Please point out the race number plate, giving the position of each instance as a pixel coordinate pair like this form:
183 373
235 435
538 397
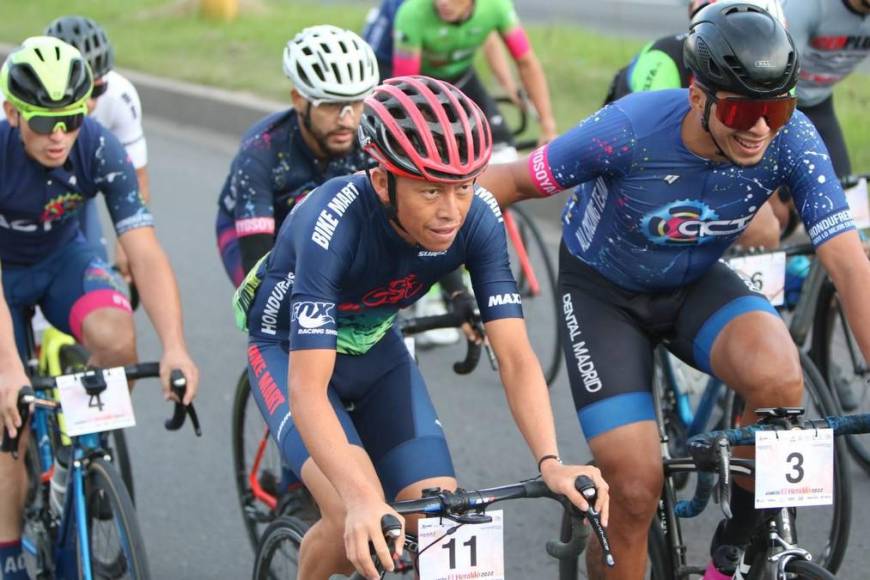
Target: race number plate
765 272
794 468
859 204
83 413
472 551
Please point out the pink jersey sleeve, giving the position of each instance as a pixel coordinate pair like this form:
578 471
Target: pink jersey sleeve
541 174
406 64
517 42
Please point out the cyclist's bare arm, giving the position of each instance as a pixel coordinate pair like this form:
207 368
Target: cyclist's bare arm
12 376
529 401
509 182
158 290
533 79
498 63
846 263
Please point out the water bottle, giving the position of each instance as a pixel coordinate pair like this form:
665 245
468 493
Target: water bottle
58 482
796 271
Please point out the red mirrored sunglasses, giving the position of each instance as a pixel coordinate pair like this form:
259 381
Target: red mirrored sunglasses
742 114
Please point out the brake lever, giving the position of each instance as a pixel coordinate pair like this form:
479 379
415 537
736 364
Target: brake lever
586 487
10 444
178 386
723 460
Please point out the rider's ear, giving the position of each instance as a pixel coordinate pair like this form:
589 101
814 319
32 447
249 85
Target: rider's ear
697 98
11 113
378 176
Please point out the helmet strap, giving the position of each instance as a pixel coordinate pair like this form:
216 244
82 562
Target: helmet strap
392 208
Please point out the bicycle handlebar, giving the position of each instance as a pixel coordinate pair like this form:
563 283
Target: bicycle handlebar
94 383
464 506
711 452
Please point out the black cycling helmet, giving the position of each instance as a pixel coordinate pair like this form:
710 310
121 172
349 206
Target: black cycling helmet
738 47
87 36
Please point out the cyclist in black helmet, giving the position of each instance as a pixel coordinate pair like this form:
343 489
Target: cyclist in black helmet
667 181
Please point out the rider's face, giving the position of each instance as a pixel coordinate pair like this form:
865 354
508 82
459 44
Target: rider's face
860 5
744 147
452 10
431 213
332 125
50 150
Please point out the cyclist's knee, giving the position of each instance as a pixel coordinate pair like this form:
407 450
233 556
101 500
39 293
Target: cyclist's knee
109 334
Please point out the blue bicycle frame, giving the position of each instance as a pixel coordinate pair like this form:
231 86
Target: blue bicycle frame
694 421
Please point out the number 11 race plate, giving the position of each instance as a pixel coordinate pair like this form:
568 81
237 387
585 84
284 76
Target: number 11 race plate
794 468
472 551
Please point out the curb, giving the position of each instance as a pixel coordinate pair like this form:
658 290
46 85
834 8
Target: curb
227 112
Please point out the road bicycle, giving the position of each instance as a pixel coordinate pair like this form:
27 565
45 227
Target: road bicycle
264 484
777 548
79 520
277 554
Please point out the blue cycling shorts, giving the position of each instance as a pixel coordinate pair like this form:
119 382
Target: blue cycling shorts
380 400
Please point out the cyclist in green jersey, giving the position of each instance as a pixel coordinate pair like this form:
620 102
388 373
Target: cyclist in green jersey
440 38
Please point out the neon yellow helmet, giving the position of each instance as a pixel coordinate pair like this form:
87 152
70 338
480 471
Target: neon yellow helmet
46 75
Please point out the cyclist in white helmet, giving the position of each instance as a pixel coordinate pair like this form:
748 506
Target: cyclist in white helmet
285 155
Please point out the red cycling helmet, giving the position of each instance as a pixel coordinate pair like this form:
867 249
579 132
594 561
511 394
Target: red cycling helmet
423 128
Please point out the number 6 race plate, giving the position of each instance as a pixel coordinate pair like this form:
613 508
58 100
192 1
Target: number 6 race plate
472 551
794 468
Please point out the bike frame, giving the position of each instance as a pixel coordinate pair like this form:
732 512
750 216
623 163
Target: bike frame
513 232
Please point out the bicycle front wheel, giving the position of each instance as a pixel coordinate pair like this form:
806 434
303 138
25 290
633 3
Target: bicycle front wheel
839 358
117 549
252 443
278 552
805 570
532 267
823 530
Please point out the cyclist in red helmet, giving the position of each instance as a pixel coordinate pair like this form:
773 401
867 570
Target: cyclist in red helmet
363 431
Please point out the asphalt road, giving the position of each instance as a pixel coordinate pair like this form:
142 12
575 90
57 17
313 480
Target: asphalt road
185 491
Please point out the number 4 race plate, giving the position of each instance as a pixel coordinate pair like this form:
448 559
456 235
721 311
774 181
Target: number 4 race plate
794 468
84 414
472 551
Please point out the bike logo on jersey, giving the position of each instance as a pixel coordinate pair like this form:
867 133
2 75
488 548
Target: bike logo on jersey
60 207
313 315
689 222
393 293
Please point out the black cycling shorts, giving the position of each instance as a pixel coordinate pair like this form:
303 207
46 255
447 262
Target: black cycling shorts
609 335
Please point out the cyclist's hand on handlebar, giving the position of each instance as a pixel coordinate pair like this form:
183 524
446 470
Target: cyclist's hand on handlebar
362 531
560 479
11 382
179 359
471 334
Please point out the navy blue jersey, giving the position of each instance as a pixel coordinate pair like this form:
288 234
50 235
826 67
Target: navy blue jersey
339 272
378 31
273 169
39 206
650 215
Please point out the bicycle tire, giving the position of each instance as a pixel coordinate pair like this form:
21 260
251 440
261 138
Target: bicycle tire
283 534
831 552
831 336
806 570
549 350
256 516
110 508
73 358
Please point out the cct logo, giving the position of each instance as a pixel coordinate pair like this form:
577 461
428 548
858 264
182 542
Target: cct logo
689 222
61 206
312 315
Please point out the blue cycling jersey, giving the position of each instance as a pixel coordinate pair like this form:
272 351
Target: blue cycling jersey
39 205
272 170
378 31
339 272
650 215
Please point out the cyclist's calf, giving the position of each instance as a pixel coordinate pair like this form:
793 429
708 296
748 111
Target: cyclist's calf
13 482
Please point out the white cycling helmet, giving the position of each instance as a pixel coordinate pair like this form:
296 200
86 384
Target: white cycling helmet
327 63
772 6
